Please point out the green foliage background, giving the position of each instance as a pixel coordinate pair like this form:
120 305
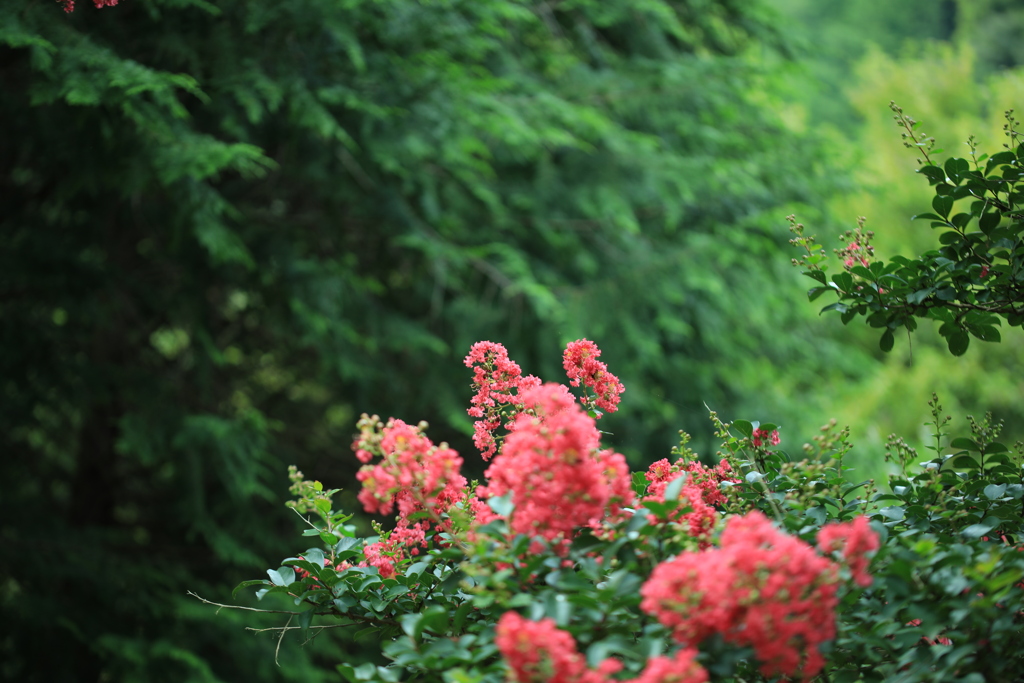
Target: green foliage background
229 228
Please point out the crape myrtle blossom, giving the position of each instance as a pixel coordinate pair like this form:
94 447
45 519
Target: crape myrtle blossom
700 493
761 588
554 468
413 475
581 366
499 385
539 652
762 436
856 540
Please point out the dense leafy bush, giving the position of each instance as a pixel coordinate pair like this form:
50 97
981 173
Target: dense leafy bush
563 567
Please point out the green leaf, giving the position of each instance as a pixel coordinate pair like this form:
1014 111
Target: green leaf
837 306
934 173
994 491
1001 158
893 512
887 341
818 514
305 619
411 624
284 576
316 556
977 530
942 205
814 292
958 343
744 427
246 584
986 333
989 221
818 275
956 168
674 487
345 543
460 616
502 505
358 674
435 619
966 444
328 538
920 295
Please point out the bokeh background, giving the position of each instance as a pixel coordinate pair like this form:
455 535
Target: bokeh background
228 228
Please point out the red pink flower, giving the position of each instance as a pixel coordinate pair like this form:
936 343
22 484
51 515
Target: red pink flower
540 652
413 475
761 436
552 465
499 384
701 492
761 588
855 539
581 365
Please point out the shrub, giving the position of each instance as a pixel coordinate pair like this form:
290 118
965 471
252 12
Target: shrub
563 567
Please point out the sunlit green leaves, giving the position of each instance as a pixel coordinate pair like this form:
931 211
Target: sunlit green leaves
965 284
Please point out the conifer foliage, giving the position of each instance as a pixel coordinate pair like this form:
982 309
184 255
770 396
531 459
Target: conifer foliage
229 226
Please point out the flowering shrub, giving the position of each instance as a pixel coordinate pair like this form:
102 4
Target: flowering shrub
971 283
564 567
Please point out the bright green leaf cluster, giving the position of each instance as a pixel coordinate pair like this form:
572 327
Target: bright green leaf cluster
972 282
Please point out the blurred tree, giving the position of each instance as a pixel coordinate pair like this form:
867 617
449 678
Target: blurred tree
831 36
230 227
993 28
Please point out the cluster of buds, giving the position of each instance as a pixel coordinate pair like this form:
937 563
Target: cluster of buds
911 138
858 250
815 256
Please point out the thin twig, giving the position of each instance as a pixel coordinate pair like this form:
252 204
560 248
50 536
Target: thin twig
305 519
293 628
354 617
279 639
248 609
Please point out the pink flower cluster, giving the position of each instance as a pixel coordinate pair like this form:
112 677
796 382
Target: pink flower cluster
701 492
852 257
581 365
552 464
69 5
414 475
855 539
761 436
761 588
539 652
499 384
